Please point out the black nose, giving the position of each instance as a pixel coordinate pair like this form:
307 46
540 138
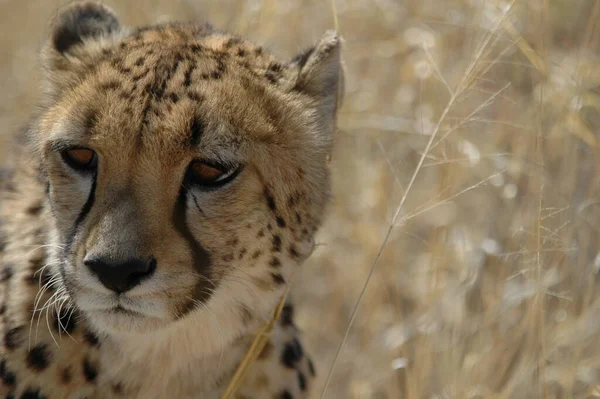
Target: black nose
121 277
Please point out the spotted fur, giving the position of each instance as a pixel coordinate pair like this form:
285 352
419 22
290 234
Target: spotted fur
149 101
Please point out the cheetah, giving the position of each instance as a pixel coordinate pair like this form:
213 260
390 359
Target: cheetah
163 195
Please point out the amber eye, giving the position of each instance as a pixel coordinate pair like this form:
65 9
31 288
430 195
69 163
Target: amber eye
210 175
82 159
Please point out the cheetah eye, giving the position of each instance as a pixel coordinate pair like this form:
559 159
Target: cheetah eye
207 174
81 159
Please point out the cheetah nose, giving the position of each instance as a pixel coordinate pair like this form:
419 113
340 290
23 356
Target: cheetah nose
121 277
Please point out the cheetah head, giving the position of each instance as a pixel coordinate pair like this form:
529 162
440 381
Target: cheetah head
186 170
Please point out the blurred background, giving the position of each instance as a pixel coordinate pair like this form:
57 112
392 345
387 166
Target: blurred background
465 219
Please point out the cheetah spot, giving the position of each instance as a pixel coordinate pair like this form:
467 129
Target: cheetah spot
38 358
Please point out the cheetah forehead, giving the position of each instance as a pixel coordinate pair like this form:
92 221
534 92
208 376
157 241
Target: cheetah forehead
84 34
187 82
174 70
196 53
180 87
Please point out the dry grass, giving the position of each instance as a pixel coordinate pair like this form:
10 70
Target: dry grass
466 188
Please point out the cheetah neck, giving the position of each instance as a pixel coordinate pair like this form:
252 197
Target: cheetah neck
171 374
191 351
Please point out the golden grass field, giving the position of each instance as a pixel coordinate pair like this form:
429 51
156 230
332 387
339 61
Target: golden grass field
467 187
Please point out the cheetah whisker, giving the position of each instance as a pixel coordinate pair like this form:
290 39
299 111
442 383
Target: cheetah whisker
41 271
36 247
43 290
59 319
37 300
59 295
50 328
39 311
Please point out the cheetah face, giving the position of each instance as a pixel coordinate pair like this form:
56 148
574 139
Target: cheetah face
186 169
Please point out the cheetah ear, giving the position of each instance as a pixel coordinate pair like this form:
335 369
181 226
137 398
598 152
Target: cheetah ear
320 74
77 22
